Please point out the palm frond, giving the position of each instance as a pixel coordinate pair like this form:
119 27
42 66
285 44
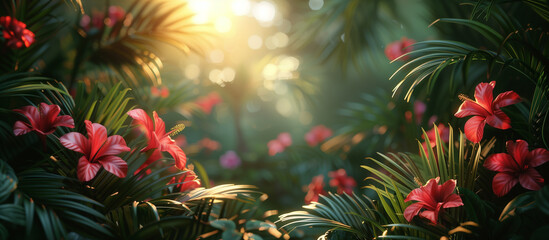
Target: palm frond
354 214
132 48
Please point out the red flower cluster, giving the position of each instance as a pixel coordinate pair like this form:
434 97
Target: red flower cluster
208 102
443 132
432 199
316 188
279 144
486 110
98 149
209 144
342 182
15 32
317 135
516 167
42 119
158 138
398 48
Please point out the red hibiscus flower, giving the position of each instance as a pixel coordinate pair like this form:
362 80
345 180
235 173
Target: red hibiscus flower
432 199
516 167
344 183
316 188
208 102
97 20
42 119
158 138
485 111
398 48
186 181
15 32
317 135
280 143
98 149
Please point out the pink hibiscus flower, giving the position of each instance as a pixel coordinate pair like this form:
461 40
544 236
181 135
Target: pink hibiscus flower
230 160
98 149
42 119
279 144
516 166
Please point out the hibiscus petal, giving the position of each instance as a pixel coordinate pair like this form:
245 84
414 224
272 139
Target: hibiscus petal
141 118
275 146
97 135
115 165
537 157
499 120
502 183
113 146
76 141
155 155
31 113
446 189
178 155
518 150
453 200
21 128
411 211
159 125
470 108
474 128
86 169
501 162
64 121
484 94
506 99
48 113
531 179
431 215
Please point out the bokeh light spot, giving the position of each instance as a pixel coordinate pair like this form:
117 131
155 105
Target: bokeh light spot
255 42
241 7
284 107
223 24
192 71
217 56
316 4
264 11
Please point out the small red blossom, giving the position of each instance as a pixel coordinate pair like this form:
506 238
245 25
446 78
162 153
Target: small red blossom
443 132
279 144
116 13
342 182
230 160
209 144
486 110
516 166
432 199
207 103
162 92
15 32
317 135
158 137
42 119
398 48
97 21
186 181
315 189
98 149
